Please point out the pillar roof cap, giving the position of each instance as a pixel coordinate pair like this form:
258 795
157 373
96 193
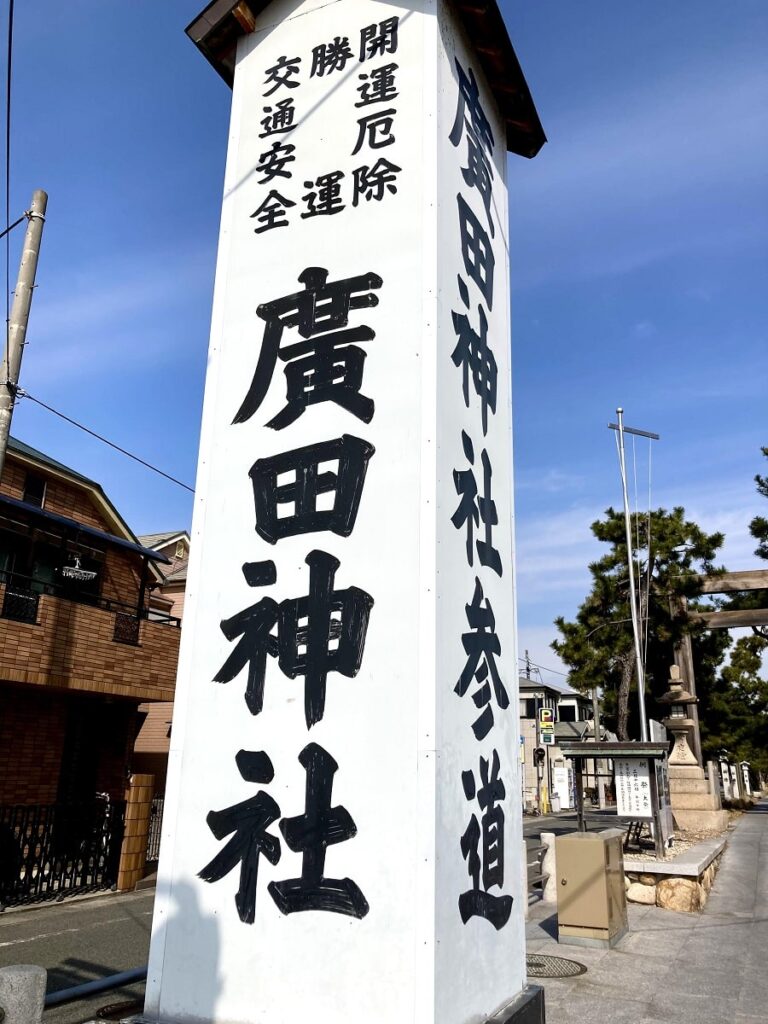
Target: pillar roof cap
216 30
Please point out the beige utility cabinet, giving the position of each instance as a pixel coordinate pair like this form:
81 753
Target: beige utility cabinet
591 899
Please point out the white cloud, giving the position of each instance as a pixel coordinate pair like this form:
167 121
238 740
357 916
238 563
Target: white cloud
554 551
549 481
637 178
94 318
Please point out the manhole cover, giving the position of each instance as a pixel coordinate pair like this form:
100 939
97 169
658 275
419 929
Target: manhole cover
540 966
119 1011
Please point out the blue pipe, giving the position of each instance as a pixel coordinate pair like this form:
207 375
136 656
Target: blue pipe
90 988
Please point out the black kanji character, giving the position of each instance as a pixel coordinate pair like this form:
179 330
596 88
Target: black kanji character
327 369
331 56
254 626
324 199
301 495
476 250
474 509
482 646
249 822
271 213
470 109
478 902
379 39
273 162
479 174
374 182
474 355
310 834
466 486
279 119
376 129
323 632
317 634
282 74
378 86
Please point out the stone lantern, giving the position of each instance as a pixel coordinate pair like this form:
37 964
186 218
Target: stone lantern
678 722
695 803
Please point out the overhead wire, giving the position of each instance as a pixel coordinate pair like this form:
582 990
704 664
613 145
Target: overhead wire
554 671
638 570
9 68
15 224
20 393
648 541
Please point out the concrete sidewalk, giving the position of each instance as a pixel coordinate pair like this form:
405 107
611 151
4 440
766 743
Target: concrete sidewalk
707 968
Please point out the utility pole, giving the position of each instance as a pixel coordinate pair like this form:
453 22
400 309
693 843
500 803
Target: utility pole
630 563
19 318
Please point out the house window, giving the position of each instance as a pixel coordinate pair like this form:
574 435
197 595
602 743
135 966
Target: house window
567 713
34 490
180 549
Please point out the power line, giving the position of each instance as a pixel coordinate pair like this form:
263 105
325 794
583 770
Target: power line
15 224
9 67
25 394
544 667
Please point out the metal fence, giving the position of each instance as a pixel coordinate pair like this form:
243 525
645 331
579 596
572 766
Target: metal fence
21 599
155 828
56 850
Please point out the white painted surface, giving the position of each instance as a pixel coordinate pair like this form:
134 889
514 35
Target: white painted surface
400 734
562 786
726 777
633 790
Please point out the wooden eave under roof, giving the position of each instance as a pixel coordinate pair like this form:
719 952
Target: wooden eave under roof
216 30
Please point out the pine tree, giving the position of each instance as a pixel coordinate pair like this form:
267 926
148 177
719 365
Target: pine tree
598 645
759 525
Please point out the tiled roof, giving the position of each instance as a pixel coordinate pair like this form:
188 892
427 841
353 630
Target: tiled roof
156 540
178 575
26 450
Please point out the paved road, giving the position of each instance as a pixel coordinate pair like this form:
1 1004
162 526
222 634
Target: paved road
566 822
83 940
78 942
706 968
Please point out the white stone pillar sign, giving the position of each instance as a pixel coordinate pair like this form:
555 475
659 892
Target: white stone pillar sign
342 830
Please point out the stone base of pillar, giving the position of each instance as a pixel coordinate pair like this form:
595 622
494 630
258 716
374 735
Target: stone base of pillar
701 821
527 1008
694 805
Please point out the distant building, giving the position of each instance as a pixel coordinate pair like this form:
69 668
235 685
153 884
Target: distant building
573 721
153 742
168 597
79 651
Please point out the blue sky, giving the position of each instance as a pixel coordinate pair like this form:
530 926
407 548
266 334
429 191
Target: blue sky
638 245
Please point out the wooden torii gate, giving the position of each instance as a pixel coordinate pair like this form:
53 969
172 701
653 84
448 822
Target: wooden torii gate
727 583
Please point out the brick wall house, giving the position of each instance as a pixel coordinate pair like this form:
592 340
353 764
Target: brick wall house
78 650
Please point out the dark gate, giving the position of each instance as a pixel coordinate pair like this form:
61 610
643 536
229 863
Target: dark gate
56 850
155 829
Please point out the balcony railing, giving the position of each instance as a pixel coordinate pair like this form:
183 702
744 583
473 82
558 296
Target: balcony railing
22 596
19 604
